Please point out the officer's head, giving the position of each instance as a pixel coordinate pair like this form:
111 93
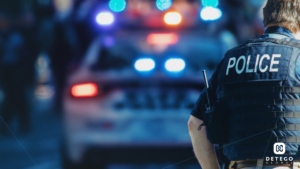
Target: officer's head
284 13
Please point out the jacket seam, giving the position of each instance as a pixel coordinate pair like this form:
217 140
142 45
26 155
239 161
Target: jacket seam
290 64
298 57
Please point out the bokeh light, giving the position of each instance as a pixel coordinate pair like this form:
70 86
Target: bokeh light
84 90
117 5
162 38
62 5
210 13
175 65
172 18
105 18
163 4
144 65
212 3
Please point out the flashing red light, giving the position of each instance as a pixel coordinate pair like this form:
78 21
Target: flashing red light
84 90
162 38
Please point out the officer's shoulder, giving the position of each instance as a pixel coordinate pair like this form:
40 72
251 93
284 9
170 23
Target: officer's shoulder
286 41
292 40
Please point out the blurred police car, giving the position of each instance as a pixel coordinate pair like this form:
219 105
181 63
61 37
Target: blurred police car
130 98
130 102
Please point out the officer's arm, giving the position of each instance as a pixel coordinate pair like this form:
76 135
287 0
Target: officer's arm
203 149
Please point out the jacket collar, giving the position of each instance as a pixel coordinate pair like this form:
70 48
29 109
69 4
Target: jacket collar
279 30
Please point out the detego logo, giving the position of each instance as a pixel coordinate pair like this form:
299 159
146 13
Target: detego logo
279 149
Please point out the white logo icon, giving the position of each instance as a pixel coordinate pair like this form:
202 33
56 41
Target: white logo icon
279 148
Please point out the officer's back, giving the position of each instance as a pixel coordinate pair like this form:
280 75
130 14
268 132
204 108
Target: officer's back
256 89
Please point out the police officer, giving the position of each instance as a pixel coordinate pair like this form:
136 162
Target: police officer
256 94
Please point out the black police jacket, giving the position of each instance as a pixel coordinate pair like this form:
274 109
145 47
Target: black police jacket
257 89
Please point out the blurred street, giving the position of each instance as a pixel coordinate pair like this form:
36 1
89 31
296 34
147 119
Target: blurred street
42 142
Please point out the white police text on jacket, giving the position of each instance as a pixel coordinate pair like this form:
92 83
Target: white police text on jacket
234 63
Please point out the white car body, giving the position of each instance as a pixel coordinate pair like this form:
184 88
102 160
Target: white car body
98 122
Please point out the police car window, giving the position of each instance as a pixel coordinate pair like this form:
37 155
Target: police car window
298 67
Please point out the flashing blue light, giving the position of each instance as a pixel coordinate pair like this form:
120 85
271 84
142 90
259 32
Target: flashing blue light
175 65
163 4
210 13
117 5
105 18
144 65
212 3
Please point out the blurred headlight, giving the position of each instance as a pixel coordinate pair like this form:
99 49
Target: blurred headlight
175 65
144 65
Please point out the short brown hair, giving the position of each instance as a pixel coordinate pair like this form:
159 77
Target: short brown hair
284 13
